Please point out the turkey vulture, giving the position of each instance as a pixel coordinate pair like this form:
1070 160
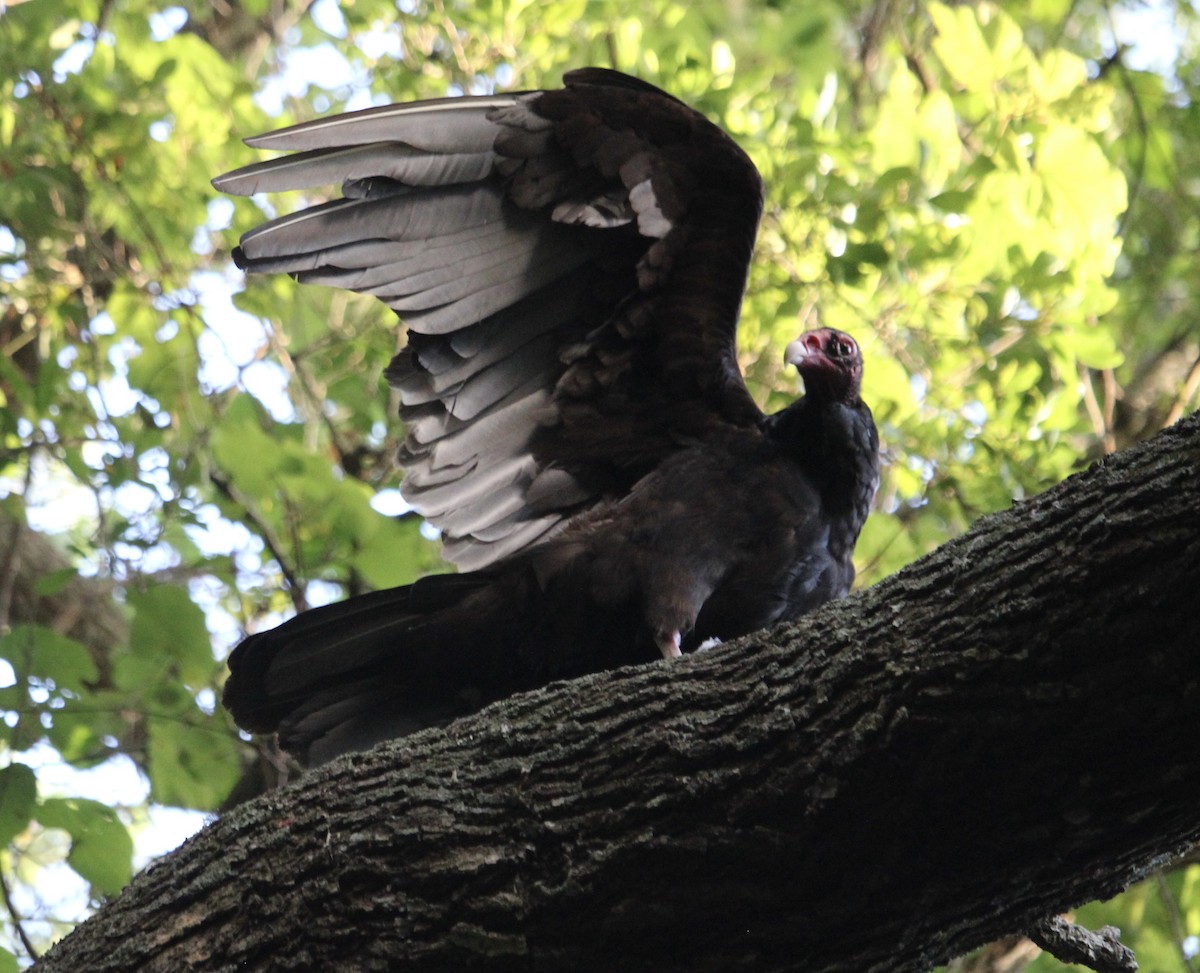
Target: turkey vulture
570 266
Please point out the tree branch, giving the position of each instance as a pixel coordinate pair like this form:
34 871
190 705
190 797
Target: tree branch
18 922
1178 931
273 544
1000 732
1100 951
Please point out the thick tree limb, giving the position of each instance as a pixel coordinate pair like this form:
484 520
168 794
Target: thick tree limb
1003 730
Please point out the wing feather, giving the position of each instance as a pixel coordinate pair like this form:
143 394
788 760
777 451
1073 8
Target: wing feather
449 125
396 161
406 217
569 265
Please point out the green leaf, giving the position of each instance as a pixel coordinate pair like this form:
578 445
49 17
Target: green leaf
392 553
1081 181
101 847
55 582
248 455
1094 347
951 201
135 672
42 652
18 793
961 46
167 624
937 127
190 766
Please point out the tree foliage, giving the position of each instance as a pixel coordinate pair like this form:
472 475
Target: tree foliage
994 198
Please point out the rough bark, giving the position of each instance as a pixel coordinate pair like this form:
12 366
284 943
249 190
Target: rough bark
1004 729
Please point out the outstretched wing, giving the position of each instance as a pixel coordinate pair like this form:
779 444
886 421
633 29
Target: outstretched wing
570 266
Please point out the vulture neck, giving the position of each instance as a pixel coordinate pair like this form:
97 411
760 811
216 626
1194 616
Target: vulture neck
836 444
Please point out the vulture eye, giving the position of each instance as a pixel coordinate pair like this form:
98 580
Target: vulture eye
842 347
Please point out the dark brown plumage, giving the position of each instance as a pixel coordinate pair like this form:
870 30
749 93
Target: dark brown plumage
570 265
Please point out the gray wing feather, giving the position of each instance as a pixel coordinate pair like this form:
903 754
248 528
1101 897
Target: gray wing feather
482 303
474 552
390 160
441 125
485 288
397 218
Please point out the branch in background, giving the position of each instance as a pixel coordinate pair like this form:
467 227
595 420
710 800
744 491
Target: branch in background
1100 417
1141 122
315 397
1191 385
274 545
1010 954
1177 931
10 564
17 921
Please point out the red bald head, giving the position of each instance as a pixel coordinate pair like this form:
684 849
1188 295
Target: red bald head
830 362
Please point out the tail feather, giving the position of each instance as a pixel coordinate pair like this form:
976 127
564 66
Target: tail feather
333 673
353 717
347 676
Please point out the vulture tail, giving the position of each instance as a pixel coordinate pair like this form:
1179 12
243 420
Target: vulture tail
349 675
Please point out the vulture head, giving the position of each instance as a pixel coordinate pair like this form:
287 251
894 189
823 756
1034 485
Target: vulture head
829 362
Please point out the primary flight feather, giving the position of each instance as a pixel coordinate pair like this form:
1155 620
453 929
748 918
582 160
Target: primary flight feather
570 266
